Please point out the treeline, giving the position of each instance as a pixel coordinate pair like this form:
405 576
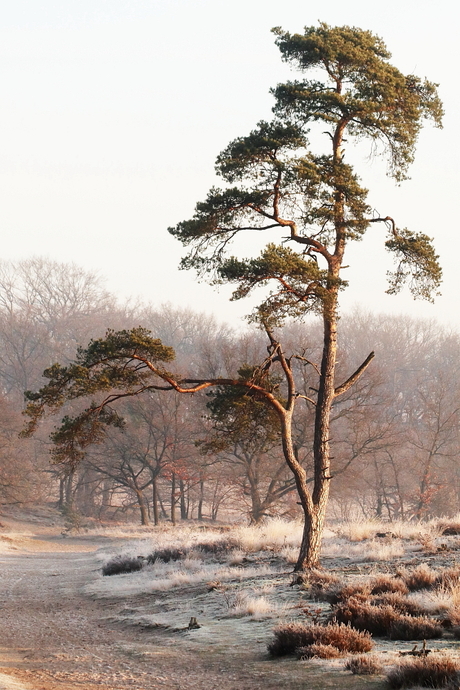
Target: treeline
217 455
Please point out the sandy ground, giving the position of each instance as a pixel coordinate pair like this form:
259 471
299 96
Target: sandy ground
54 636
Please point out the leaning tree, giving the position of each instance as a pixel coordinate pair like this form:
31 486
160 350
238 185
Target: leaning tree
275 182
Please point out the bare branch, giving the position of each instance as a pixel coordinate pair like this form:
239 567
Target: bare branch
354 377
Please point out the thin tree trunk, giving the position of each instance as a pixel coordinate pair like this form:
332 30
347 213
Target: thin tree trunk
61 493
200 501
183 504
164 513
156 518
69 490
173 498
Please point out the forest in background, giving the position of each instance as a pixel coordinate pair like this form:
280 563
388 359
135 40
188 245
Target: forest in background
394 435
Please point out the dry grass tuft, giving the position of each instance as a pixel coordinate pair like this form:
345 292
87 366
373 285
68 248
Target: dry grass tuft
257 608
364 666
449 577
435 671
292 636
359 530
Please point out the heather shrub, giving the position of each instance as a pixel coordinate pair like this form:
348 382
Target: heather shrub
339 593
318 651
384 620
422 577
387 583
434 671
122 564
410 628
290 637
363 666
376 620
400 603
218 548
166 555
317 578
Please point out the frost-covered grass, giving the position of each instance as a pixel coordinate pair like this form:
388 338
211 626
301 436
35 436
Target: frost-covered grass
372 550
200 554
257 608
236 581
239 541
162 577
360 530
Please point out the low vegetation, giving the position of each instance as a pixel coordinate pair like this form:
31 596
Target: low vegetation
320 614
290 638
436 671
122 564
364 666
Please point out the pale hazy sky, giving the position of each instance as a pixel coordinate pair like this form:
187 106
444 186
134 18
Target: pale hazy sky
114 111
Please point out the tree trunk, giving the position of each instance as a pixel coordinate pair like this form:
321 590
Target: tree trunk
164 513
68 498
183 503
200 501
173 498
106 494
314 505
61 493
142 506
156 518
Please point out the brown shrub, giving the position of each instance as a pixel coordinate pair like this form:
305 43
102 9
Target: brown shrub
318 581
376 620
387 583
318 651
320 577
356 590
410 628
400 603
363 666
435 671
384 620
288 638
422 577
338 592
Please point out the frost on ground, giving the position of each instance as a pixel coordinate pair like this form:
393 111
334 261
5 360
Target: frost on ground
67 626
